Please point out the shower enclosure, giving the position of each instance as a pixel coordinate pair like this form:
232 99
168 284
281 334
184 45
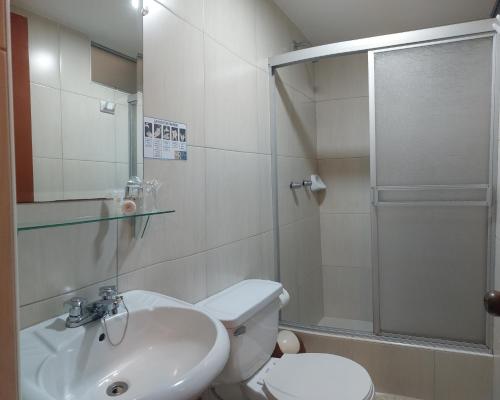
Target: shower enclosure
403 130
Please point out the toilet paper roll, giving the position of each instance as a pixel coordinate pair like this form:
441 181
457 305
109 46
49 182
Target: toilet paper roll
288 342
284 298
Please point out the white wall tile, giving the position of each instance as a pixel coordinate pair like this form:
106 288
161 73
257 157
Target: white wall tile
273 33
300 272
46 121
263 113
343 128
320 342
183 279
48 266
345 240
174 80
174 235
232 23
238 196
244 259
230 101
347 293
190 10
289 254
40 311
462 376
309 248
295 122
347 183
122 175
341 77
131 281
75 66
402 370
43 42
299 76
47 179
122 134
88 179
298 203
238 207
83 126
311 299
276 35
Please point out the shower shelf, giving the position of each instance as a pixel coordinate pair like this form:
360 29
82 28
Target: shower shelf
93 218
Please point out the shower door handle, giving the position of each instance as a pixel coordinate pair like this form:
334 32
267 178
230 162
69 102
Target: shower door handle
492 302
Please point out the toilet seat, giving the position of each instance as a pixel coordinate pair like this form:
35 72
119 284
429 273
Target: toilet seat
315 376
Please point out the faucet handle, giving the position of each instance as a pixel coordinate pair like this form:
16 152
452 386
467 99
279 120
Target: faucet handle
108 292
76 306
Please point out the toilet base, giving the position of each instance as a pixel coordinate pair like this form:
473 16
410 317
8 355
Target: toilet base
251 389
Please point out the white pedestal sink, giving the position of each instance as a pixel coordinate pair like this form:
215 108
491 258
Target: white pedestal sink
171 351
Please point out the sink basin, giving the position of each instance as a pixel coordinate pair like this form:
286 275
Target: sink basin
170 351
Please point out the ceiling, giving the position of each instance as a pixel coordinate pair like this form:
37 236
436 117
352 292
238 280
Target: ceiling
327 21
112 23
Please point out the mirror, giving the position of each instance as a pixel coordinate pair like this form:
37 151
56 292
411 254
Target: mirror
77 80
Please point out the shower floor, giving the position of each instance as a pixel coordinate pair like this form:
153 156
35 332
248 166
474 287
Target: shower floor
350 324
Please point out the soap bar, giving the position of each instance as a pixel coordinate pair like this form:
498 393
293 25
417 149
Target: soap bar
128 207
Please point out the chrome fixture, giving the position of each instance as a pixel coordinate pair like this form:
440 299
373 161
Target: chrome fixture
116 389
307 183
81 313
295 185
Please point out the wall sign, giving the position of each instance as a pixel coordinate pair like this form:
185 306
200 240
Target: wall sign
165 140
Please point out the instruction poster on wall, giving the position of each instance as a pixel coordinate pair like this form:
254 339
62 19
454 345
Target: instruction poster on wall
165 140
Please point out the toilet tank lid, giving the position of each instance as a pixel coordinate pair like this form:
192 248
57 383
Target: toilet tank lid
238 303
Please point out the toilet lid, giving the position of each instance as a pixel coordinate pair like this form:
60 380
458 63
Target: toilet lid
318 376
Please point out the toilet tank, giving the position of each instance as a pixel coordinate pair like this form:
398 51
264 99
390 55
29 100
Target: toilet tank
250 312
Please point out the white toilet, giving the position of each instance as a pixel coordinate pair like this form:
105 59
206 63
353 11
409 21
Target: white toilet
250 311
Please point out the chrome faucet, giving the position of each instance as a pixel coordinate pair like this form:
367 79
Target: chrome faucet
81 312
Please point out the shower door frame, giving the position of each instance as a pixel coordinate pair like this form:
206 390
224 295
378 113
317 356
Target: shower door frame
443 34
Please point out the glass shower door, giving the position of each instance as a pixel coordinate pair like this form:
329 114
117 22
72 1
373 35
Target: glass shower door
431 181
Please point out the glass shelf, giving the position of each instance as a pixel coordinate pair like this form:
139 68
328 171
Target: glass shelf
88 219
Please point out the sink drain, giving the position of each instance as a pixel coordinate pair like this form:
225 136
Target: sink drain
116 389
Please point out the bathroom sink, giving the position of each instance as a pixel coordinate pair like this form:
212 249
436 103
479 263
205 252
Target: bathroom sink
170 351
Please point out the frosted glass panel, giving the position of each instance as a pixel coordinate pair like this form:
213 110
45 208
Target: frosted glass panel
432 114
432 152
437 194
432 270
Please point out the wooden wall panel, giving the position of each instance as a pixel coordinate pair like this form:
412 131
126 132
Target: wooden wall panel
8 307
22 108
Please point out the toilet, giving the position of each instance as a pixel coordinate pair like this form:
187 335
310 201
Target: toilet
250 312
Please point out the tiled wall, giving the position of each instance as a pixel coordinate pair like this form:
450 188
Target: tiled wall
417 372
299 229
204 65
78 151
344 165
